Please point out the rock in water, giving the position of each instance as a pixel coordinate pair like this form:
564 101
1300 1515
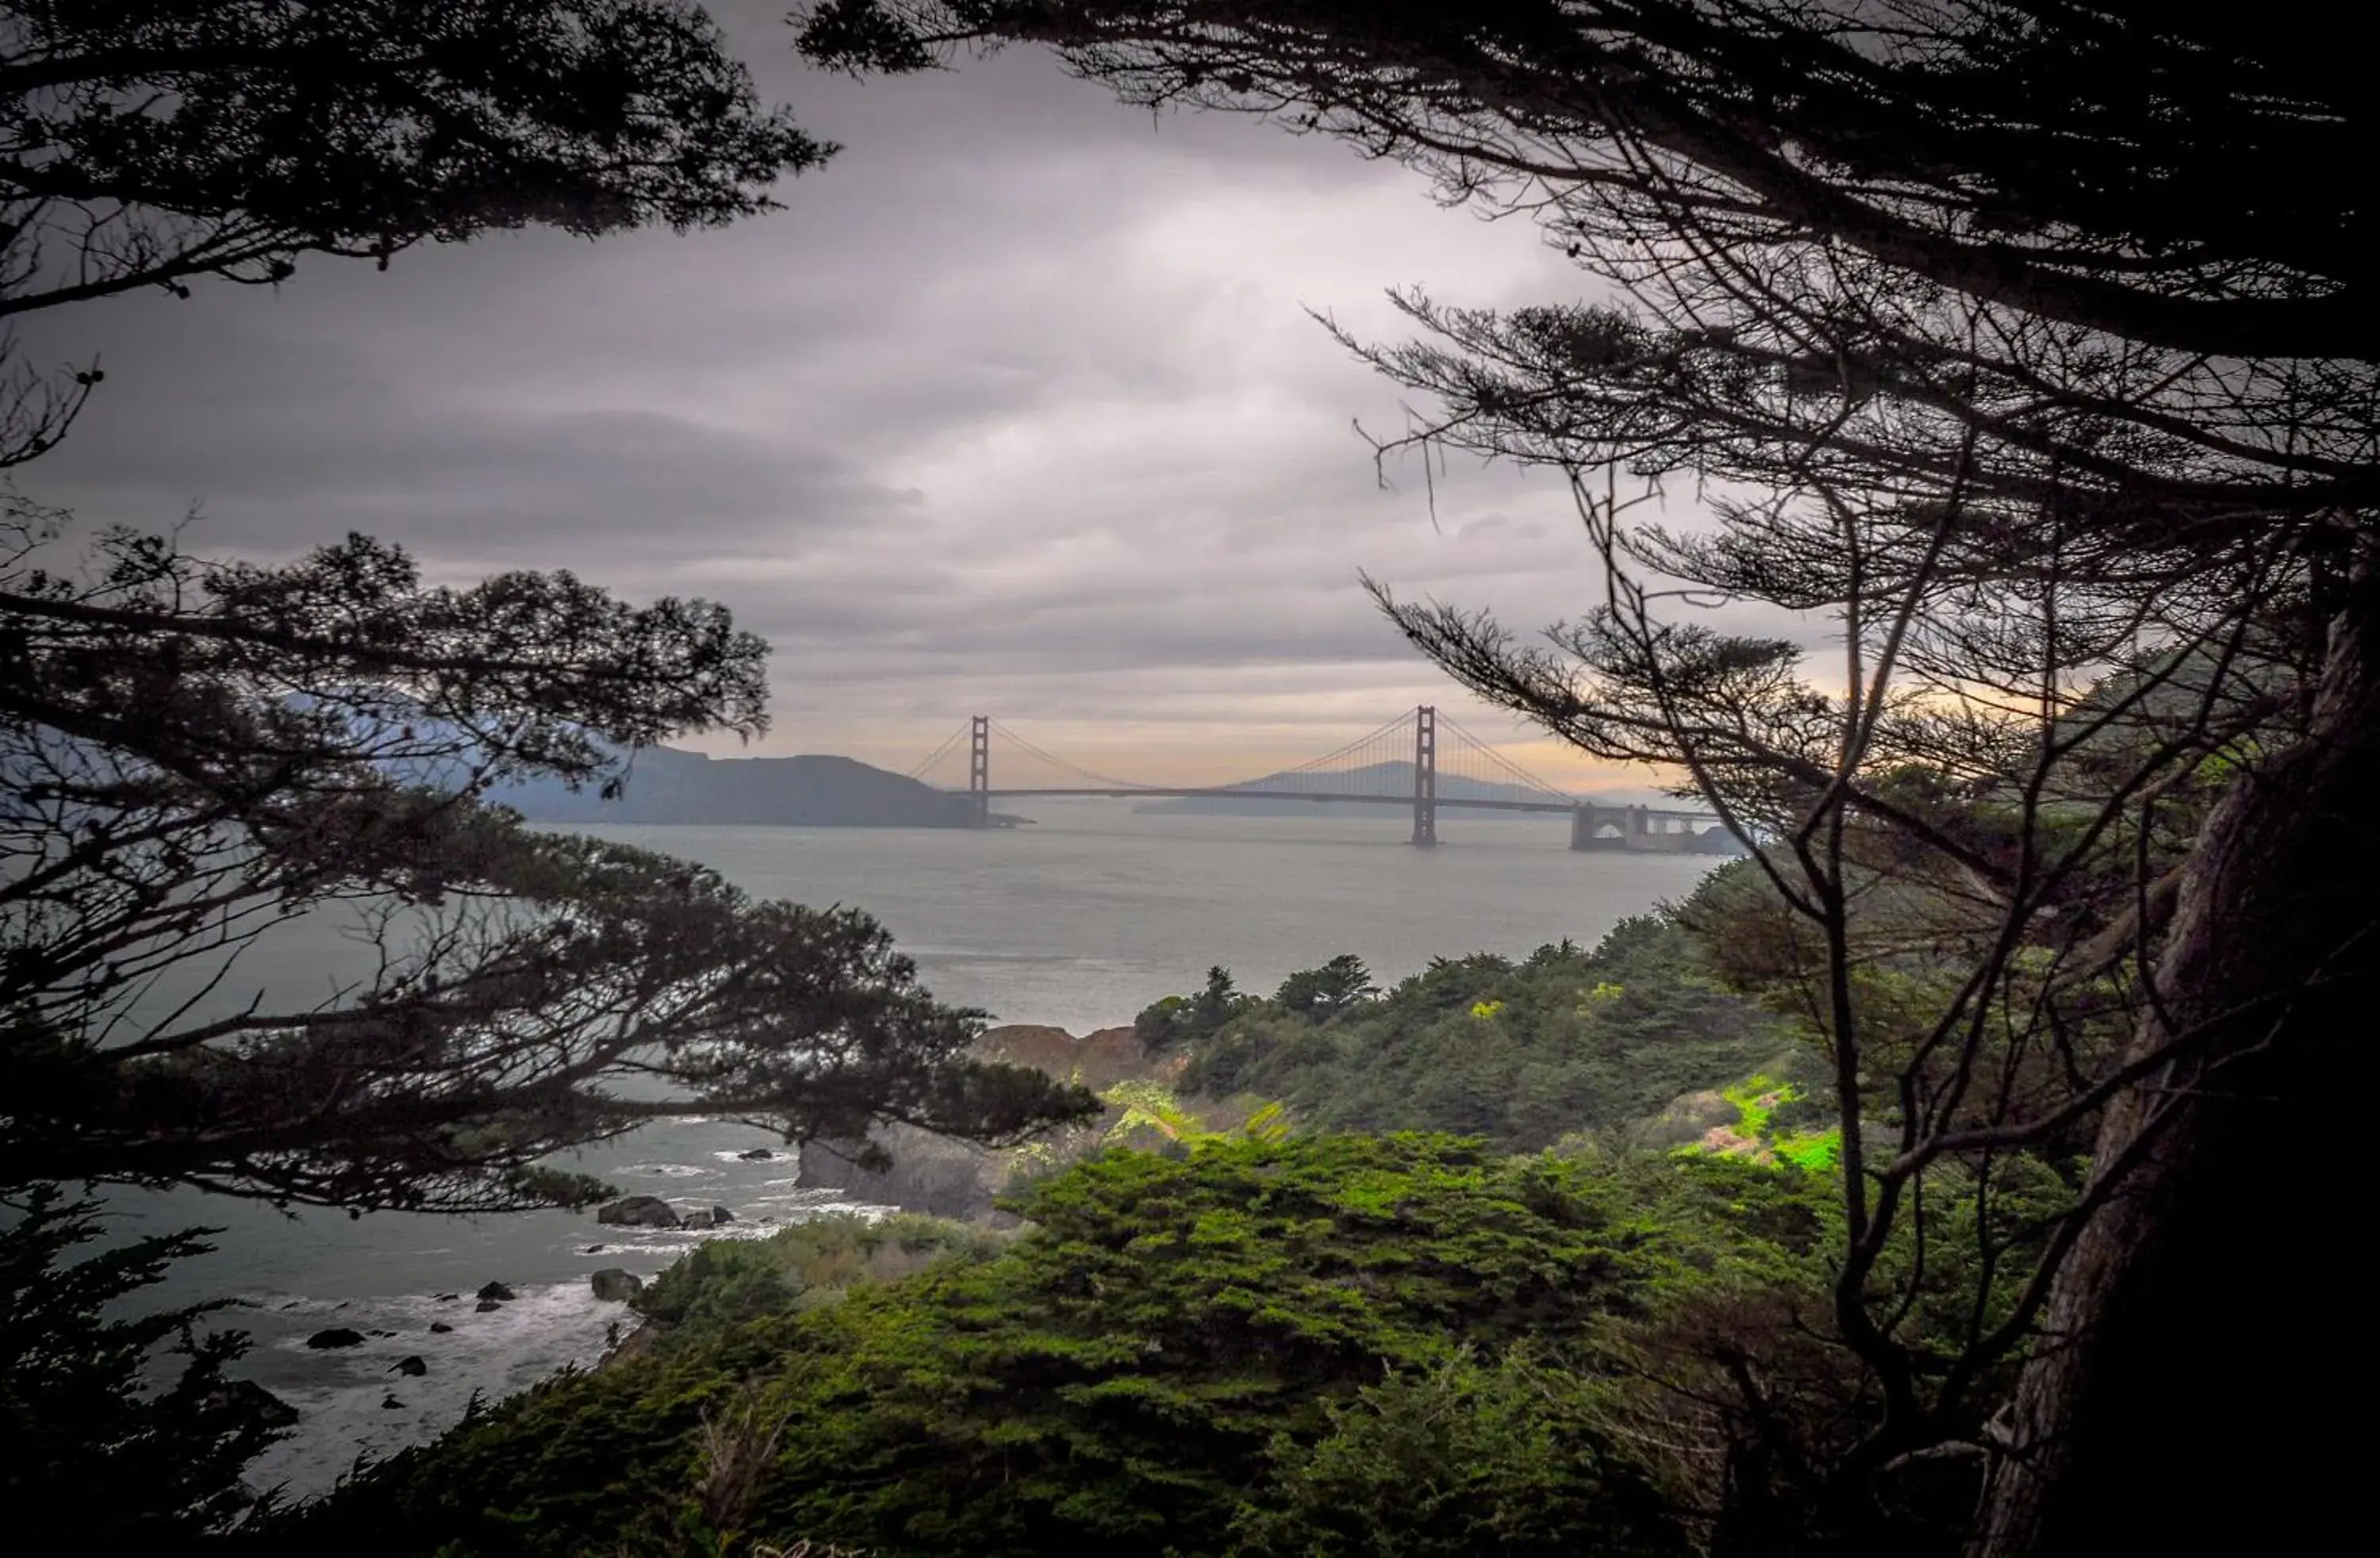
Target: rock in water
498 1292
757 1155
484 1305
438 1327
720 1214
638 1211
411 1364
337 1336
614 1285
389 1402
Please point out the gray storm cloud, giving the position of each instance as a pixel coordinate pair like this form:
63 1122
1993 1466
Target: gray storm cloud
1016 407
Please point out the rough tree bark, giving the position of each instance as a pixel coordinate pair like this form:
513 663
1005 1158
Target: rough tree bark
2207 1355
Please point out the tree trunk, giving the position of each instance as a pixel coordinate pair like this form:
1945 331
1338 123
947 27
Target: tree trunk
2205 1380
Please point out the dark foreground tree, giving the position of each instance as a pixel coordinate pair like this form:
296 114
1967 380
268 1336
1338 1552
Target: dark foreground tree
91 1430
2032 342
195 753
148 142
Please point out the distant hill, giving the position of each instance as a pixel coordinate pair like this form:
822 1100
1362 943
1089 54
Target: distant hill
668 786
1392 778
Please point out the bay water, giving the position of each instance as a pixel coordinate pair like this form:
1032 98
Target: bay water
1077 921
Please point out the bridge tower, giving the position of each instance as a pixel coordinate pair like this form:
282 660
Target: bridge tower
1424 803
979 771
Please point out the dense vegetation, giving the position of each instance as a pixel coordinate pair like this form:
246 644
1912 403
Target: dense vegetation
1516 1053
1181 1354
1562 1333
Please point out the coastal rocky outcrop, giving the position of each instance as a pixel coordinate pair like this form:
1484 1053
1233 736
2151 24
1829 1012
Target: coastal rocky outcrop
614 1285
638 1211
635 1345
945 1177
255 1401
1097 1061
336 1336
496 1291
931 1174
410 1365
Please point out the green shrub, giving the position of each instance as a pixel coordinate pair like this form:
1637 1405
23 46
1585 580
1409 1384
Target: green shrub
1460 1458
1519 1054
724 1282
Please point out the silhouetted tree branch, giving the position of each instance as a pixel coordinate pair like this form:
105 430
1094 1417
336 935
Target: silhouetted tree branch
148 144
195 753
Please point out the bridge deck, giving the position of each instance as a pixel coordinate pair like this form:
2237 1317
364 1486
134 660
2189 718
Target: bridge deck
1236 793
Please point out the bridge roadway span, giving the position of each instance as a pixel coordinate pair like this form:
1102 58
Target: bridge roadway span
1235 792
1635 829
1592 826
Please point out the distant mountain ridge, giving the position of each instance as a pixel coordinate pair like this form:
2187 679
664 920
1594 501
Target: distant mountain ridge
1393 779
667 785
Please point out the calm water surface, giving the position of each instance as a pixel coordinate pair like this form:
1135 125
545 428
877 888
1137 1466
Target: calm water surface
1080 921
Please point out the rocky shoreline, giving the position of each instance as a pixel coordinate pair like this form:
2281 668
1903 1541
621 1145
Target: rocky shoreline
944 1177
937 1175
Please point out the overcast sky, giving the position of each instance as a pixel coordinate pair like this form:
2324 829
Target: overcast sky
1014 409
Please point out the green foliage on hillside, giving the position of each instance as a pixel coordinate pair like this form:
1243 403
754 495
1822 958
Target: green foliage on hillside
1516 1053
1177 1019
1468 1455
1181 1355
725 1280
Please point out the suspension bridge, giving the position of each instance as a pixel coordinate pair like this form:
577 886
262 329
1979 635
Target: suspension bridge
1421 759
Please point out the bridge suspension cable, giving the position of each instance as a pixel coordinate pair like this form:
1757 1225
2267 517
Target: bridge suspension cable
1103 780
1402 761
1493 762
1381 745
1385 744
1380 757
939 753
